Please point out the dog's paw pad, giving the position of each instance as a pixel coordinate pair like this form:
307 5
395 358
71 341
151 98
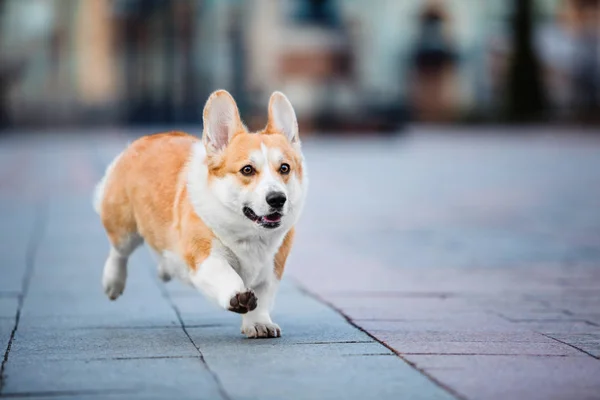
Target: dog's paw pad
260 330
243 302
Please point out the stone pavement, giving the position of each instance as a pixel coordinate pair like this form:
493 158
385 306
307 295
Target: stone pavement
436 264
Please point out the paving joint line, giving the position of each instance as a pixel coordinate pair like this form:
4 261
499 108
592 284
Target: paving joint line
214 375
39 227
200 326
92 328
64 393
395 294
368 355
487 354
544 320
339 342
570 345
315 296
178 326
140 358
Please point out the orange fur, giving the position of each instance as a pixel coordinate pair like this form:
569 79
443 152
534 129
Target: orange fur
282 254
235 156
146 193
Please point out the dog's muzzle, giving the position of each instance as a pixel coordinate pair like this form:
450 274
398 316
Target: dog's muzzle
269 221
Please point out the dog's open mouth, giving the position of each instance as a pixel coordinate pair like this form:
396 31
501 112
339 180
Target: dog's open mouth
272 220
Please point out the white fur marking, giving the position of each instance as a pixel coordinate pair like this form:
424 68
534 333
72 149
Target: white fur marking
256 157
101 186
217 280
258 323
275 156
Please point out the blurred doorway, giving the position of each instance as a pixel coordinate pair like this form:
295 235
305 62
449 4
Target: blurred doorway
156 60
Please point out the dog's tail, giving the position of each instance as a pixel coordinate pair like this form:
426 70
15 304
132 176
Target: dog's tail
100 186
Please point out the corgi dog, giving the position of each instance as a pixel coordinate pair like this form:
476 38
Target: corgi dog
219 212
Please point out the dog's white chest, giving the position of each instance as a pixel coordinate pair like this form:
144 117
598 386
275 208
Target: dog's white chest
254 263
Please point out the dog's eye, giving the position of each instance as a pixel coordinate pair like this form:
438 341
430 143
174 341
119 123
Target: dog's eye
248 170
284 169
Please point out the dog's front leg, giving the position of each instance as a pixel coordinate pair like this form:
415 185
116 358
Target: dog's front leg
219 282
257 323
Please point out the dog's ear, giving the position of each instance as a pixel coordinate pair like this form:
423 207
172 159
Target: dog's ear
282 117
221 120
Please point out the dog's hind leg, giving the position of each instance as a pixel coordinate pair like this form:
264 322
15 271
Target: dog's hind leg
115 268
112 204
120 225
164 273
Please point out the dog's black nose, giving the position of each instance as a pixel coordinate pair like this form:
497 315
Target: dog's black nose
276 199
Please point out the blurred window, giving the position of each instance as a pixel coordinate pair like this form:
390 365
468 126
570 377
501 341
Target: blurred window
322 13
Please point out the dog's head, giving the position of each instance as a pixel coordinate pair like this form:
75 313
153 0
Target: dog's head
259 177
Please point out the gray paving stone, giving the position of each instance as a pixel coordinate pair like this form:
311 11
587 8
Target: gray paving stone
144 378
69 294
63 310
538 315
75 255
305 372
489 323
522 377
294 331
88 344
17 225
8 306
479 336
591 317
12 262
497 348
130 320
237 349
87 394
552 327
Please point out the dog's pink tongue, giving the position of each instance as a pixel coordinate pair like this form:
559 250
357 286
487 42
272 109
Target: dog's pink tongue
272 218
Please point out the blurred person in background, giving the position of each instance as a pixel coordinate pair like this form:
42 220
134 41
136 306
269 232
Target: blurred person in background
587 69
433 62
569 47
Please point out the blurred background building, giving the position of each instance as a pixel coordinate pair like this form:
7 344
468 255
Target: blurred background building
347 65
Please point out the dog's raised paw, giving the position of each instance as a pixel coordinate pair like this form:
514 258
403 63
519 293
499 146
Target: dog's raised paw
243 302
261 330
113 287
